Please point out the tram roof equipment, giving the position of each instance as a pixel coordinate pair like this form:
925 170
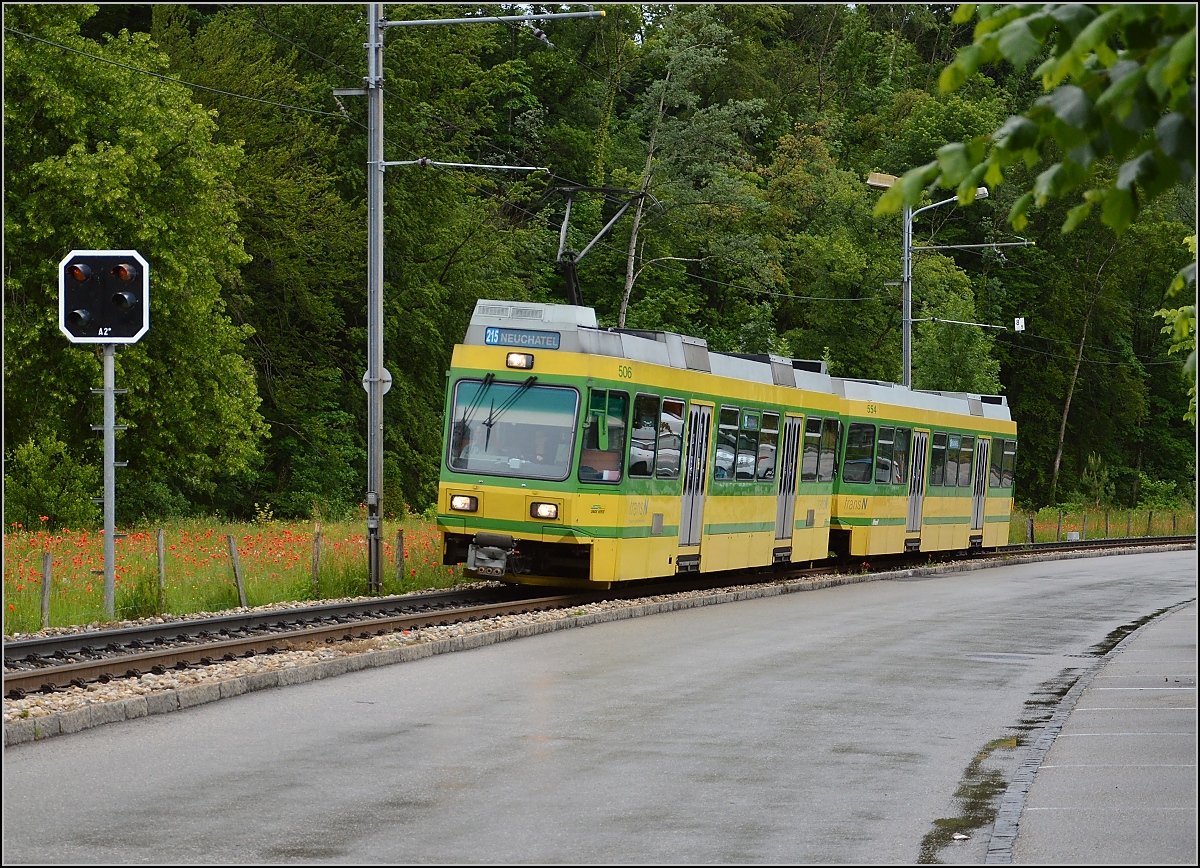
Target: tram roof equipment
573 328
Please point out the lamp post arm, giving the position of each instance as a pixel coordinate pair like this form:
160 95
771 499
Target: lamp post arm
934 205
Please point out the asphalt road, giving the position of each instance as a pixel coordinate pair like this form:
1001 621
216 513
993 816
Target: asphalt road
831 726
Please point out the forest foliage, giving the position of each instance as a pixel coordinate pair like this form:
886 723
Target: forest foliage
209 138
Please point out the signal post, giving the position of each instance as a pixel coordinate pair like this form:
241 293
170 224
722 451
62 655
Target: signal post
104 298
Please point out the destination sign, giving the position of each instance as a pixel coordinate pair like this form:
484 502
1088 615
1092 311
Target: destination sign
499 337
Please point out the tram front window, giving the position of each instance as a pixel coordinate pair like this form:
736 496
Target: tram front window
512 429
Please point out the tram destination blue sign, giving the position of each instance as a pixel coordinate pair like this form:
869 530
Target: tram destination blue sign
524 338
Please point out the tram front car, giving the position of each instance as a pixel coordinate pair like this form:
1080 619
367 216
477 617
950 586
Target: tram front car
516 451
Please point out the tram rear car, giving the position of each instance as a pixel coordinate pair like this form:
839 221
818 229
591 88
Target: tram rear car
582 456
921 471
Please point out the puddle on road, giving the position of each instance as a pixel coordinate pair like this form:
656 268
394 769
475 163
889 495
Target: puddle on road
978 795
986 778
1113 639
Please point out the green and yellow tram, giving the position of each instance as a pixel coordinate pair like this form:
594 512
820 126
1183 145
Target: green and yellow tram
582 456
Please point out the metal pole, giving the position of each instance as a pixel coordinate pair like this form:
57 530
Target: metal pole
110 478
377 378
906 289
374 379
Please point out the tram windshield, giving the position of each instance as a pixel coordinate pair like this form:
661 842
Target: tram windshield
512 429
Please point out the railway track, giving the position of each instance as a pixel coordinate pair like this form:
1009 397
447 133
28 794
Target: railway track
52 663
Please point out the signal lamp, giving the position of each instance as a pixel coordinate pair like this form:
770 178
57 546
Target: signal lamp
103 296
543 510
464 503
523 361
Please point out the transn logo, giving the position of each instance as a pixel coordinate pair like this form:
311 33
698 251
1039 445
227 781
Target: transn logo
854 504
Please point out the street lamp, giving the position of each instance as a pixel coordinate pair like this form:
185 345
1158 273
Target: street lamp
880 181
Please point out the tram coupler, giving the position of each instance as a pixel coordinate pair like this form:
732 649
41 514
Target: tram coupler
488 553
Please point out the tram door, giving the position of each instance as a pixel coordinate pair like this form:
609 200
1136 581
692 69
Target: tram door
691 520
979 489
916 480
789 465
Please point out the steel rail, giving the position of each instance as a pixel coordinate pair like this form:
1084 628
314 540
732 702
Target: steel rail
184 630
228 650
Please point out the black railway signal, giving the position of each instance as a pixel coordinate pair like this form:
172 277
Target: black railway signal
103 296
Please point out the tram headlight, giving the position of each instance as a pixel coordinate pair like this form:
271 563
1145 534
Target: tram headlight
543 510
524 361
464 503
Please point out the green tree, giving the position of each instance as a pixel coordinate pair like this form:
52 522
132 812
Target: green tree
1181 324
1091 354
948 353
1131 96
450 237
1095 482
1120 84
695 162
303 282
835 258
42 479
103 151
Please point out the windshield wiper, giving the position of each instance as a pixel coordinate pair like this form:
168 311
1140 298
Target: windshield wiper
469 410
494 414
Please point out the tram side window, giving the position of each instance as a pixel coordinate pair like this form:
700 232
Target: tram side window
937 461
883 455
768 442
953 447
727 443
812 449
670 438
860 449
644 437
747 453
965 459
997 462
603 453
1010 463
831 431
900 456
